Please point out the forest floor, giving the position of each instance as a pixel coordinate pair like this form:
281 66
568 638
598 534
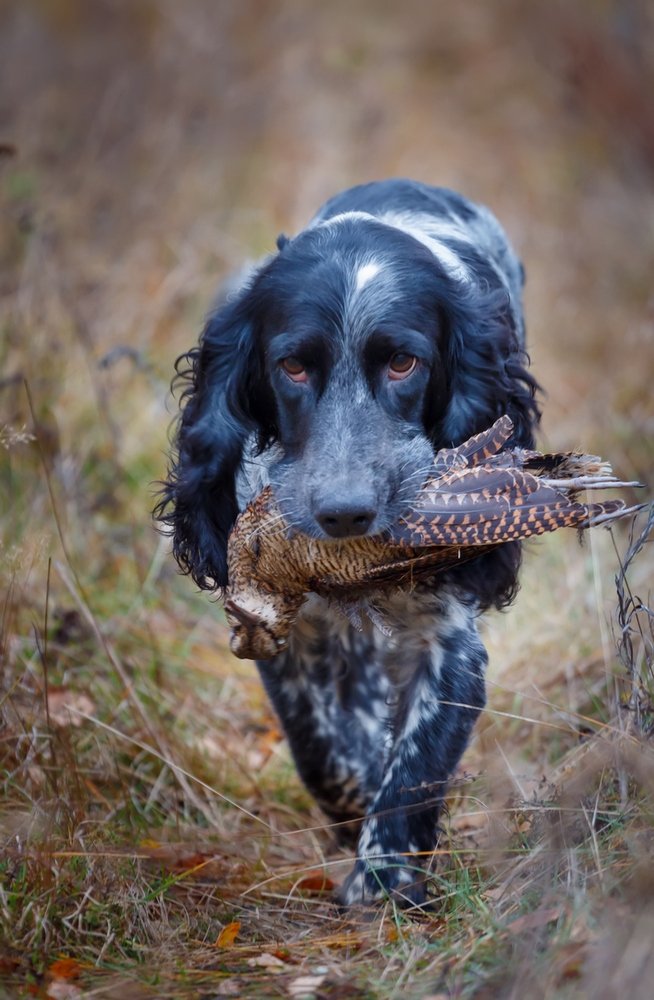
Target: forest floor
155 839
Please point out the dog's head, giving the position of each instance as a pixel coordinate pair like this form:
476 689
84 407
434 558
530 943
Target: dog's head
357 352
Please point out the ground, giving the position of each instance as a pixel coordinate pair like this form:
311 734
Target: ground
155 839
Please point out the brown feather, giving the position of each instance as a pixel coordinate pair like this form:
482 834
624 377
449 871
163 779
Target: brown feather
478 497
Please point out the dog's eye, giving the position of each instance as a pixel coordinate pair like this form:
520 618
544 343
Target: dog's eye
294 369
401 366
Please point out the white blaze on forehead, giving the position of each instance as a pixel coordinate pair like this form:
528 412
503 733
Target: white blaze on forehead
365 274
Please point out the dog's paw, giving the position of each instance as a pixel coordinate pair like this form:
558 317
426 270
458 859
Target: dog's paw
371 882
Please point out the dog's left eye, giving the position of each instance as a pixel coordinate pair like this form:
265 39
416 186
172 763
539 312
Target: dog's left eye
294 369
401 366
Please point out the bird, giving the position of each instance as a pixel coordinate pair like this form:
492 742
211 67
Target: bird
476 497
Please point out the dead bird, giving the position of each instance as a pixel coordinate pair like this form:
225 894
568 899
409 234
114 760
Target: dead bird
478 496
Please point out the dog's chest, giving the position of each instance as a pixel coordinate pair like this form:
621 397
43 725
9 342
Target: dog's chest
377 645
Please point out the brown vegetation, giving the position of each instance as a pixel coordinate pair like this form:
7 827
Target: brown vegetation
155 839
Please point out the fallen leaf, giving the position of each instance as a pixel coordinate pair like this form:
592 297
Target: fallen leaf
285 956
473 821
9 964
265 746
571 957
65 968
177 857
229 988
62 703
494 893
305 986
37 775
315 883
265 961
63 989
228 934
187 862
530 921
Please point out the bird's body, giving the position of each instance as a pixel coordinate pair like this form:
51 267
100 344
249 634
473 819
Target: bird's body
479 496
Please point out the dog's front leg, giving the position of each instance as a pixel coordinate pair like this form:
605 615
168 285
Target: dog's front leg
434 716
331 700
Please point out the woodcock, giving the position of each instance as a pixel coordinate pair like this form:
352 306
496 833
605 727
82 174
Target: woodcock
479 495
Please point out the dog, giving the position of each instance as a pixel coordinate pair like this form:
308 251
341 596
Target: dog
389 327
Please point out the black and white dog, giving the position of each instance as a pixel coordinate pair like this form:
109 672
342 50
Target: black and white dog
390 327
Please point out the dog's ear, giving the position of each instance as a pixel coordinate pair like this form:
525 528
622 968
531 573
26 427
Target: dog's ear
487 368
226 404
487 377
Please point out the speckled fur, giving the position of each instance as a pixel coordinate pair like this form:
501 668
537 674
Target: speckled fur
377 724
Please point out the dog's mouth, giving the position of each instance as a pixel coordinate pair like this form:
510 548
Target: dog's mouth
331 506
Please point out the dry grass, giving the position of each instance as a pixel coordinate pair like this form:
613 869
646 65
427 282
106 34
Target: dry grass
149 802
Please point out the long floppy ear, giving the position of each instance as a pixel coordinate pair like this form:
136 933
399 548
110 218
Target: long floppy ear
487 378
226 403
487 368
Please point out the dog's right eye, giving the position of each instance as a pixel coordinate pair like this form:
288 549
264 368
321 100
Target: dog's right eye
401 366
294 369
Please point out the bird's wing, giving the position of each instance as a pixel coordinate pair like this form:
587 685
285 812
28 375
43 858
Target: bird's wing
494 504
475 450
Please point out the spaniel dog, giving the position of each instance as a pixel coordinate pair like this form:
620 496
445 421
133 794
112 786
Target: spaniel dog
388 328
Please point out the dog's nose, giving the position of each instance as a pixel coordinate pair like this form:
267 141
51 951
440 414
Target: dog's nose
345 519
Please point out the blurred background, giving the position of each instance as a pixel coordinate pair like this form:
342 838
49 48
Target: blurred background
148 148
